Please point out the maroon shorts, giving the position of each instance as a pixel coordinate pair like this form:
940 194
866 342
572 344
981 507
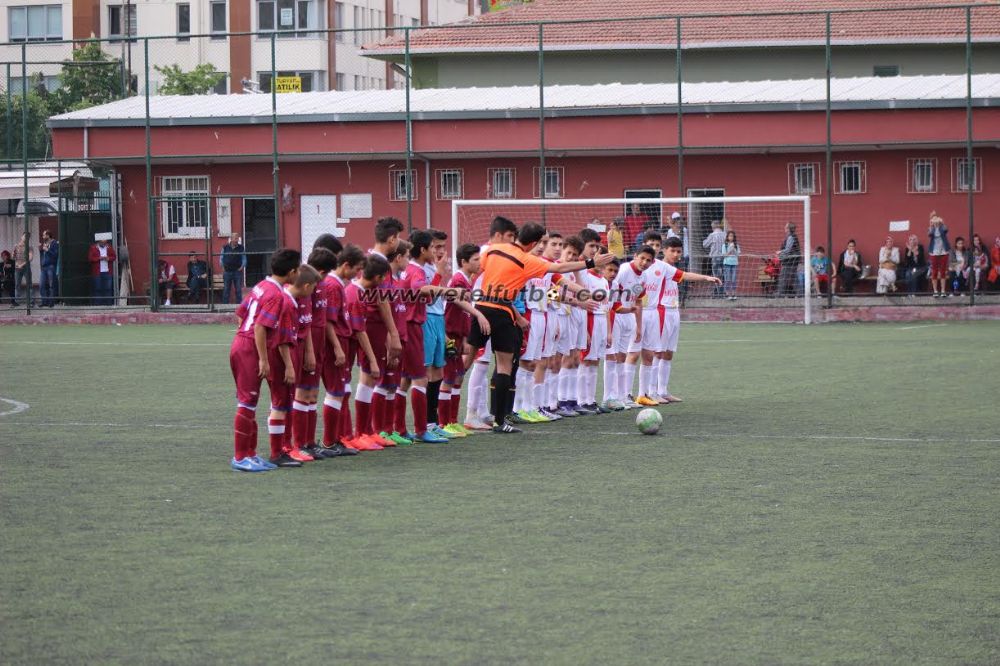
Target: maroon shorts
309 381
377 336
281 393
243 362
454 367
413 352
939 266
335 376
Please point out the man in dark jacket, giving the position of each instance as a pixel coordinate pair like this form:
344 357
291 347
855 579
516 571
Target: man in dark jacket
49 285
790 255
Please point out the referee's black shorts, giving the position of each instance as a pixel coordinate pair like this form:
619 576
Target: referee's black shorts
503 331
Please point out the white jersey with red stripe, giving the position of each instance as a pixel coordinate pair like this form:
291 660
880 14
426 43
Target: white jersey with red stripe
597 284
671 296
653 280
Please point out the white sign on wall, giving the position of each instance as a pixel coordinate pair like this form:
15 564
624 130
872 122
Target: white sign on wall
899 225
224 216
319 216
354 206
286 16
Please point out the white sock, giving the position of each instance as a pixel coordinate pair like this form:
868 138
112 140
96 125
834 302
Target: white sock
626 377
610 380
551 389
567 383
522 388
539 391
592 383
644 372
664 377
477 390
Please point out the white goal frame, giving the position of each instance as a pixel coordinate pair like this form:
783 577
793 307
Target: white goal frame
806 247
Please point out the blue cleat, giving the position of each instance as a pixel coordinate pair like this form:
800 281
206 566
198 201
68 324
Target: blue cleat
430 438
267 465
245 465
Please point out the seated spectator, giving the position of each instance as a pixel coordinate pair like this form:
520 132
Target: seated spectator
994 275
771 271
914 264
977 241
7 277
849 267
823 271
197 277
888 260
167 280
980 266
958 267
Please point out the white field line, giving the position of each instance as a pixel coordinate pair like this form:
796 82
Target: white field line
530 431
911 328
16 407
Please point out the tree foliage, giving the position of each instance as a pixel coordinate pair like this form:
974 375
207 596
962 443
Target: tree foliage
199 81
92 77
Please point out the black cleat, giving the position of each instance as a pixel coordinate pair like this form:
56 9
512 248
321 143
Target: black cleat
285 460
315 451
506 427
338 450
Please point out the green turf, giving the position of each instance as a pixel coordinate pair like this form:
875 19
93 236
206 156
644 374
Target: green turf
823 495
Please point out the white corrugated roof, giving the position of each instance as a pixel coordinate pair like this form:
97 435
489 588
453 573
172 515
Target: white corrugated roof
456 101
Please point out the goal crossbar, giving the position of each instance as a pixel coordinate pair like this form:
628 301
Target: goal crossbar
805 249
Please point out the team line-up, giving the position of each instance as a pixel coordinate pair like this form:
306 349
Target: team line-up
547 309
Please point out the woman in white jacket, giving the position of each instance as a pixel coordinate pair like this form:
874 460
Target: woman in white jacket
888 260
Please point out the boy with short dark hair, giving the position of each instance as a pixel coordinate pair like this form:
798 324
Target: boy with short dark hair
374 272
301 291
261 349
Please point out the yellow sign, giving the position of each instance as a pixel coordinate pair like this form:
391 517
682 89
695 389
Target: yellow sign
289 84
500 5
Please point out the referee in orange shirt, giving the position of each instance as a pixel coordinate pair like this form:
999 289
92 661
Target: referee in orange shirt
506 268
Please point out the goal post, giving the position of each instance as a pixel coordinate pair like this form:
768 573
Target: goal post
753 277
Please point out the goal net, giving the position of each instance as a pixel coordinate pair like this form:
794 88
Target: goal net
753 272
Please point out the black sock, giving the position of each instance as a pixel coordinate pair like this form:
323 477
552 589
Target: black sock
433 389
499 395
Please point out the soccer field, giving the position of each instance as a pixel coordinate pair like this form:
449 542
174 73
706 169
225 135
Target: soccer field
824 494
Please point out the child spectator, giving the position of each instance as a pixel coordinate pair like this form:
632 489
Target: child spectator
979 268
197 277
730 264
822 271
616 241
166 279
938 249
958 267
849 266
261 350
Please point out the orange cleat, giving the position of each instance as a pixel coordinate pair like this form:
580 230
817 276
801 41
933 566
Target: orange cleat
365 443
382 439
300 455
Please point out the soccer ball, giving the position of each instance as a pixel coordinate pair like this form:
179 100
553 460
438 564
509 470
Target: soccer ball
649 421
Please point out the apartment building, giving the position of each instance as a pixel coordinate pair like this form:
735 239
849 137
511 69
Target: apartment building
193 32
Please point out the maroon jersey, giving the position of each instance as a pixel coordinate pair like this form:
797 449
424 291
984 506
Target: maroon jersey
303 320
268 305
456 320
336 310
415 305
354 308
319 302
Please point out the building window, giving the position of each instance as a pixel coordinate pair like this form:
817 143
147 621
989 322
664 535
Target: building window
851 177
218 19
338 22
288 16
184 206
50 82
885 70
921 175
553 182
966 175
341 81
450 183
122 21
310 80
34 24
400 185
183 22
803 178
500 183
359 25
222 87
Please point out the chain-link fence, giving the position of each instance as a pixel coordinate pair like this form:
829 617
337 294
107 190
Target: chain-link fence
883 117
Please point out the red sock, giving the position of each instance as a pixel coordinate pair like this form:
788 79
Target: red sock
456 402
418 396
331 423
276 436
311 417
243 429
444 408
346 424
300 421
399 413
252 442
363 417
377 413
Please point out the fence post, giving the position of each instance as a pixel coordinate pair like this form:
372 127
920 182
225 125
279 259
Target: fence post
10 120
409 137
154 292
680 114
24 165
970 165
541 115
274 141
828 49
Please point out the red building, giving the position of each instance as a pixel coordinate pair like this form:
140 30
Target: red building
902 139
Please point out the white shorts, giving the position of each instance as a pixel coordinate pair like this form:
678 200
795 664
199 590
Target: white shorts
623 333
549 341
671 330
536 335
580 322
567 334
650 333
597 325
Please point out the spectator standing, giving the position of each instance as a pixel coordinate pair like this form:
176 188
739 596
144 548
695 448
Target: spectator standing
234 263
49 286
197 277
790 255
958 267
22 267
166 279
823 271
849 266
616 241
914 264
713 243
102 260
888 261
730 264
938 248
7 277
635 224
